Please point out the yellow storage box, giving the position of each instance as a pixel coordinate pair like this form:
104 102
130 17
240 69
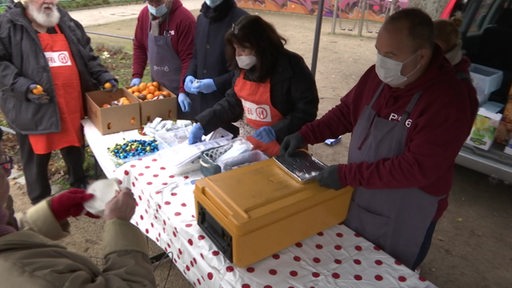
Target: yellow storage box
256 210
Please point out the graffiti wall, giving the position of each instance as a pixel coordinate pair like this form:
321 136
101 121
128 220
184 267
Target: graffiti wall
375 10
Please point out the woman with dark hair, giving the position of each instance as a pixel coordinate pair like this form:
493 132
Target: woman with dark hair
273 90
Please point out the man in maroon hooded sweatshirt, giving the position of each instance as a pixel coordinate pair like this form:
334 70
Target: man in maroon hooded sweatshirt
164 39
409 115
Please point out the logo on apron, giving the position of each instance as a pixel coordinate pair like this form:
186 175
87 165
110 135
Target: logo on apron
257 112
56 59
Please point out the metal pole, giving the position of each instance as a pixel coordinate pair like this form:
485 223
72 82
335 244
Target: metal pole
334 16
110 35
318 30
361 20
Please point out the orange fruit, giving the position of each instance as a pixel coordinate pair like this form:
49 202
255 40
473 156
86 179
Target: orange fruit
38 90
106 105
107 85
151 89
135 89
166 93
156 84
150 96
124 101
142 86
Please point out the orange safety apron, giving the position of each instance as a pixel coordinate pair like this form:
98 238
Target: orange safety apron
68 92
258 110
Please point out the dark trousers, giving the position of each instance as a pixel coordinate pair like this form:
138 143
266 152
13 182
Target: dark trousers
35 168
425 246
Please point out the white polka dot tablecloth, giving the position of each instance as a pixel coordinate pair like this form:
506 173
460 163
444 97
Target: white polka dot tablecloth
336 257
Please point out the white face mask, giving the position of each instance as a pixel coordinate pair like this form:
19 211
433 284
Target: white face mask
246 62
455 54
213 3
389 70
158 11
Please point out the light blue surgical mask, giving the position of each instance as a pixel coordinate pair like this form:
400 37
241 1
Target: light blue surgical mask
158 11
213 3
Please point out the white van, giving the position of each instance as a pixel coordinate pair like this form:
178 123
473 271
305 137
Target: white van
487 41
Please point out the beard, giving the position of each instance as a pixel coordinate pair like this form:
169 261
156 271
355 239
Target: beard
45 15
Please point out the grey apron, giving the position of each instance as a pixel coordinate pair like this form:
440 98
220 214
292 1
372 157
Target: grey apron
165 65
394 219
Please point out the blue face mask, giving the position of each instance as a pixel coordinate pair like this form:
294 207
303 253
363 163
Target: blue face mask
158 11
213 3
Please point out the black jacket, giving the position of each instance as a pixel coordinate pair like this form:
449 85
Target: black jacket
22 62
293 93
209 58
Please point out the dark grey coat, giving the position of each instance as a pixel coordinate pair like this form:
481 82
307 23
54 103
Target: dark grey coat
209 58
22 62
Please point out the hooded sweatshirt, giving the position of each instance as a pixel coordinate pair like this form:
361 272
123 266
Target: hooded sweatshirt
437 128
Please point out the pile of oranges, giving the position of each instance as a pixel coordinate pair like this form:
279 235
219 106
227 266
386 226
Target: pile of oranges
149 91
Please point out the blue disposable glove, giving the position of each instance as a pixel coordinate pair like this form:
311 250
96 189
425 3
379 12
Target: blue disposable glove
184 102
196 133
113 86
135 82
330 178
189 82
291 143
204 85
265 134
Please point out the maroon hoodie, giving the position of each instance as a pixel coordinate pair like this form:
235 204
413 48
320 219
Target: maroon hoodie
182 24
439 125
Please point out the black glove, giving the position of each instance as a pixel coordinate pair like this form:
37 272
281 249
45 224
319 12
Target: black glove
330 178
36 94
110 86
291 143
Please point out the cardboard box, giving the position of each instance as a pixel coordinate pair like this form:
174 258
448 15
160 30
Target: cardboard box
484 129
166 108
253 211
115 118
486 80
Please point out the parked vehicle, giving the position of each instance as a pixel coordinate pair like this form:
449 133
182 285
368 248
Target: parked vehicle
487 39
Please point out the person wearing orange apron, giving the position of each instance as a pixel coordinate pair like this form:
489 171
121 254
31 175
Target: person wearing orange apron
46 49
68 95
274 91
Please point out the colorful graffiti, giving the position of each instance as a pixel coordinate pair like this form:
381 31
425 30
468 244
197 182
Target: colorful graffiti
374 10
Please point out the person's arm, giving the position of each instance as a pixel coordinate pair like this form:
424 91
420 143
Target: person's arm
140 42
10 78
192 65
223 82
440 125
127 262
342 118
302 99
184 43
228 110
40 219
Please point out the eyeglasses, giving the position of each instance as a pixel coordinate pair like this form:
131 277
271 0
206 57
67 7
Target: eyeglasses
6 163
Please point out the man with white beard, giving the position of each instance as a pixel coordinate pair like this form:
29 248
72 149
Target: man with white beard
46 66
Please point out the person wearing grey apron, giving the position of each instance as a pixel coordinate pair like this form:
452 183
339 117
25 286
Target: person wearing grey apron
165 65
399 230
409 116
164 41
